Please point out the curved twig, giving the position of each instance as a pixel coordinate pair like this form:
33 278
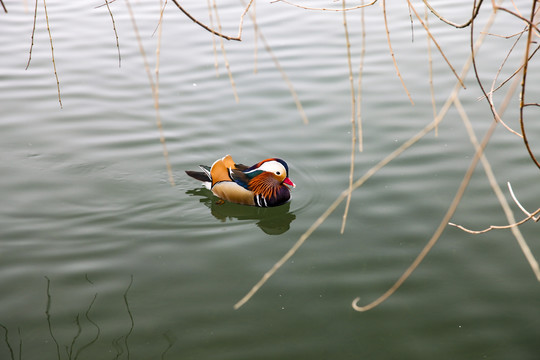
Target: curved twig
496 227
241 23
476 9
529 22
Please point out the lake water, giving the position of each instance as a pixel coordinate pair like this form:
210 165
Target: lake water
101 257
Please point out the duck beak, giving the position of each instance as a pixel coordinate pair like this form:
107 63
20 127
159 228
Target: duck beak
289 182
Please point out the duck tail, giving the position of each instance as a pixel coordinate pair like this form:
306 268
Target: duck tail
201 175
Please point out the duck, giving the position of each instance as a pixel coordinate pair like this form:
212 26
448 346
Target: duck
265 184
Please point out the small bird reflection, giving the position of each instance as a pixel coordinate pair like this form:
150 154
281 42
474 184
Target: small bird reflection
273 221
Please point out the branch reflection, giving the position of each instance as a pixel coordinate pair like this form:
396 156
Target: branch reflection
72 348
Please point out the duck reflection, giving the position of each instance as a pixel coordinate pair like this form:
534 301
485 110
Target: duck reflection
273 220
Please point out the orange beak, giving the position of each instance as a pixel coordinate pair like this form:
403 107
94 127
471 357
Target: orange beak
289 182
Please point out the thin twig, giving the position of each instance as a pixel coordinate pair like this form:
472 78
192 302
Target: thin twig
52 53
115 33
495 227
325 9
360 77
430 72
392 51
33 33
4 6
530 22
477 76
490 94
517 71
353 118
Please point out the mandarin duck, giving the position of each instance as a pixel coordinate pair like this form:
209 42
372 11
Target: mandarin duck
263 184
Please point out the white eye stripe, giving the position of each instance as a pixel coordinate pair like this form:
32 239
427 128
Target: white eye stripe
272 166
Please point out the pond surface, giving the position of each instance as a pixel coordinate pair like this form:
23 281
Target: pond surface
101 257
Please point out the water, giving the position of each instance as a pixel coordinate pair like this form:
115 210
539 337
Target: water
101 258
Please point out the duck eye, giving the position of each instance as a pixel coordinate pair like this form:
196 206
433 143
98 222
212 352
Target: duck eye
278 173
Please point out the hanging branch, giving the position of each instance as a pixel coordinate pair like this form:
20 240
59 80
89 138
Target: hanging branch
241 23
